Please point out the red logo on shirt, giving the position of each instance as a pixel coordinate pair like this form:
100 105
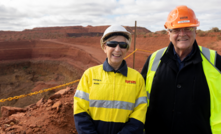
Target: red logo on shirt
130 81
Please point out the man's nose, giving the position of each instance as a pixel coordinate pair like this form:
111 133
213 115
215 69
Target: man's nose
182 31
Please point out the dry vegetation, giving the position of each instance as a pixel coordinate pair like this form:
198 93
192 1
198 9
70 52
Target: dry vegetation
163 32
208 33
218 37
214 29
30 36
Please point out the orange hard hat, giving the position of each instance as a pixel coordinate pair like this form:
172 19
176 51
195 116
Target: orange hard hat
181 16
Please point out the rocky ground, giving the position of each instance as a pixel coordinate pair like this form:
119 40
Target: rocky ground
49 116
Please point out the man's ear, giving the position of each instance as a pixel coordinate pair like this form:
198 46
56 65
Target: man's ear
168 33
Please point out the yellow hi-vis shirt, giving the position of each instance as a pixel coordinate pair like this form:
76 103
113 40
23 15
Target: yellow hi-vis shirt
110 96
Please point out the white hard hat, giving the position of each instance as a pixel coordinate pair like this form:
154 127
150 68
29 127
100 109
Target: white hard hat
115 30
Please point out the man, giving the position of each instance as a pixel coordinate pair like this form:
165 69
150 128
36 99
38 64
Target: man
183 82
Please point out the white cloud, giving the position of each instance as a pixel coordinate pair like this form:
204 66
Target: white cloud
152 14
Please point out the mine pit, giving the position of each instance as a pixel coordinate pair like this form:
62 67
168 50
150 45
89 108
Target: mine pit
30 66
18 78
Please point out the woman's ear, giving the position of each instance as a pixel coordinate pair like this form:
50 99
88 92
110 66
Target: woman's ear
105 48
128 48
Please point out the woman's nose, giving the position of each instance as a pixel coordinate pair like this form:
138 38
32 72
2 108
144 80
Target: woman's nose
117 48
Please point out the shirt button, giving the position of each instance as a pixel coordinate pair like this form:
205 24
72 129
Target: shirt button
178 86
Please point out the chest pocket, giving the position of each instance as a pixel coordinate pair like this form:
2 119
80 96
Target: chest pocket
120 91
99 90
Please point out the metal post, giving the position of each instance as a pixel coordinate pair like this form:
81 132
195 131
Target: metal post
135 32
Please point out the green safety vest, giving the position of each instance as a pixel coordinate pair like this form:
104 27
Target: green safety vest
213 77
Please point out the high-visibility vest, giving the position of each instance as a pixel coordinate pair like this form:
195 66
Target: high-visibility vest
213 77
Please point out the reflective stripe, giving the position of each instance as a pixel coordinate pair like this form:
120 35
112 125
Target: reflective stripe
206 53
148 95
82 95
112 104
140 100
157 59
215 61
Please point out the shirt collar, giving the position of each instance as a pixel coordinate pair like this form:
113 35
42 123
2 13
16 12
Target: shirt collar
195 57
178 58
122 69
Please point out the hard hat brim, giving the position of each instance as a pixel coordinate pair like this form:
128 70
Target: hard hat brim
181 26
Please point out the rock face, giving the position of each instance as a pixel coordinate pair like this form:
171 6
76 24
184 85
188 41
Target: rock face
61 32
30 50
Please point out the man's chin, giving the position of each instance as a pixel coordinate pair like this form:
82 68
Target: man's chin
183 46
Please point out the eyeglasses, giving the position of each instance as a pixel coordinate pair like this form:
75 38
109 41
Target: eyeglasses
113 44
178 30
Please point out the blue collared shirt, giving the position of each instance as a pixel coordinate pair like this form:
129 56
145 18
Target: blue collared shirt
181 64
122 69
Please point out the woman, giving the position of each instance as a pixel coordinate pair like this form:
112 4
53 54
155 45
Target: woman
111 98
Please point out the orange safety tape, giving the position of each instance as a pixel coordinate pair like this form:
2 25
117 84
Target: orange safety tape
46 90
130 54
37 92
145 50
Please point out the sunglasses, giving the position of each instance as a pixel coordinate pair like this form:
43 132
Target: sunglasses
115 43
178 30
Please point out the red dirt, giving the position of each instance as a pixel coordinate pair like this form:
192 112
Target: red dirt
54 114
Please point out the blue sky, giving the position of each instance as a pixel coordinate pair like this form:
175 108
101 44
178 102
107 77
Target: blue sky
17 15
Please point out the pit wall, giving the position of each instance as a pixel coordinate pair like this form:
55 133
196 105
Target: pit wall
23 50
